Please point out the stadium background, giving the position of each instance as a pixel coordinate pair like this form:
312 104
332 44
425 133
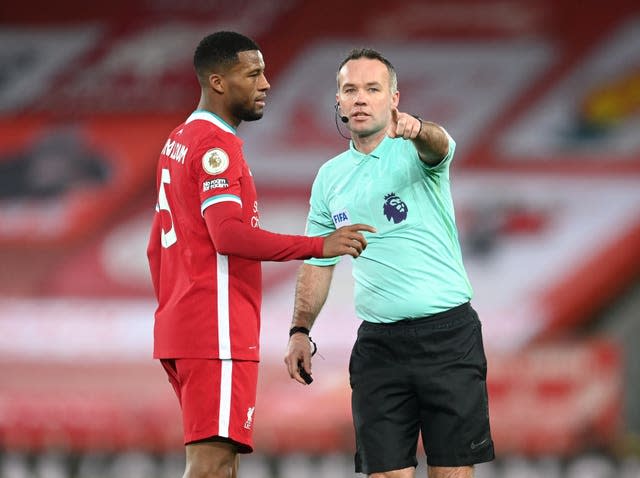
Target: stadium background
543 98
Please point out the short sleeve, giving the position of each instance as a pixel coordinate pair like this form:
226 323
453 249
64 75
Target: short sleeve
319 221
446 161
218 168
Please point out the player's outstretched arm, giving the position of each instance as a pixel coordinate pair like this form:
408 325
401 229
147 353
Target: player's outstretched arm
233 237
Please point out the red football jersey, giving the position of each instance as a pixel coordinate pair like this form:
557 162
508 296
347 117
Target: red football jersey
209 302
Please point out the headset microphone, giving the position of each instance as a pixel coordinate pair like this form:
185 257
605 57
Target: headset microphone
344 119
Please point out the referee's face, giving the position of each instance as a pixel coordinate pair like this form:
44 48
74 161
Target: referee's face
365 97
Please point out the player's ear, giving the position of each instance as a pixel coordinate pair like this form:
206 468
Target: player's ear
216 82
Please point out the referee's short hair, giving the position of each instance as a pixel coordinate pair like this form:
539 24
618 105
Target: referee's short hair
372 54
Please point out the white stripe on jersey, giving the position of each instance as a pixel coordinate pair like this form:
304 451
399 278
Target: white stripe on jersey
218 199
211 118
226 378
224 335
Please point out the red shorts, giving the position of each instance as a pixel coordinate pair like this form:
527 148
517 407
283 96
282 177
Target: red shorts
217 398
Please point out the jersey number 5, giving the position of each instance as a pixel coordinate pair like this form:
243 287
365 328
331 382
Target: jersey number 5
167 238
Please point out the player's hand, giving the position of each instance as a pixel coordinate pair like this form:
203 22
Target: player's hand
346 240
298 354
403 125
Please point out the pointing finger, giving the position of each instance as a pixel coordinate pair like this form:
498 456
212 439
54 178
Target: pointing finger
362 227
394 115
393 124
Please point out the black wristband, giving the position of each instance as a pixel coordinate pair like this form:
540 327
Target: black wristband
421 122
295 330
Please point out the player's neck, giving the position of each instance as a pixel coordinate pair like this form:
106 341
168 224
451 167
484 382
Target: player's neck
205 104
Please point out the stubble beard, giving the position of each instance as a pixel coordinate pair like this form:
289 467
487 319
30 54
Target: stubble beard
246 114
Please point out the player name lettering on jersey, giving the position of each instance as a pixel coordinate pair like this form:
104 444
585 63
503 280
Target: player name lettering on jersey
215 183
175 150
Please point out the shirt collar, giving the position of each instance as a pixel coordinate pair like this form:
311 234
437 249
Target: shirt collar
377 153
211 118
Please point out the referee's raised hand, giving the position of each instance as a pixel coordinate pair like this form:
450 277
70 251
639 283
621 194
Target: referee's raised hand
346 240
403 125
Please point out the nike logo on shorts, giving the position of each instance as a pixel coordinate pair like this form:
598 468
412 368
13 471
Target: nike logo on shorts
479 444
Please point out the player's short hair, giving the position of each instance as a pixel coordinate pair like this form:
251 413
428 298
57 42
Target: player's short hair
219 51
371 54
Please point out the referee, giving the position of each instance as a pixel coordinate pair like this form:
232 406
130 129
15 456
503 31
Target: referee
418 364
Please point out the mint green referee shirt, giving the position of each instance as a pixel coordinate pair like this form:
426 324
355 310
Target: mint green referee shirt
412 266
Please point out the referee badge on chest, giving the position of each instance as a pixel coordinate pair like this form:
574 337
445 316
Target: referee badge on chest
341 218
394 209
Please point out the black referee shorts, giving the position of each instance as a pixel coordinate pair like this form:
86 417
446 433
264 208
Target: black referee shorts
423 375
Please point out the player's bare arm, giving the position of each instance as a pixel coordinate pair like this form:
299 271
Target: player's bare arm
430 138
312 288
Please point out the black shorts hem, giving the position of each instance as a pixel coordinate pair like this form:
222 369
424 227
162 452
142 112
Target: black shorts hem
367 470
462 460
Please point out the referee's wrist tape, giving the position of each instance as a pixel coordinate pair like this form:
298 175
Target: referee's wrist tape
304 330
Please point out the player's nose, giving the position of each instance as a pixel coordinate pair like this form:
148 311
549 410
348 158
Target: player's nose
264 84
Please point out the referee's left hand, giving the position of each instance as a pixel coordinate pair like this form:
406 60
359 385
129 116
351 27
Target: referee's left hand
298 350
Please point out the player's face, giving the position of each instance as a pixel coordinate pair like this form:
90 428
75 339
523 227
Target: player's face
247 86
365 97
